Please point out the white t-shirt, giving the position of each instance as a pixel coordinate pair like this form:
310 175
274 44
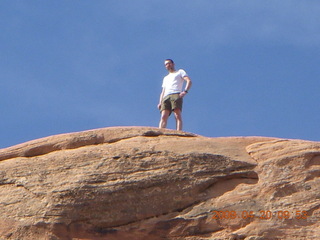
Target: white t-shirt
173 82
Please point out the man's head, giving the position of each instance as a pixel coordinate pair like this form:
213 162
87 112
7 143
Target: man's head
169 65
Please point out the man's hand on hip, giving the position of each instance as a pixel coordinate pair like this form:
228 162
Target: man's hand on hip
182 94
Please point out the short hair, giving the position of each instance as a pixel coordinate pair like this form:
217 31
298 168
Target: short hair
168 59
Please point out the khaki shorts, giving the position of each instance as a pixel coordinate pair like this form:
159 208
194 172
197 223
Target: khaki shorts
171 102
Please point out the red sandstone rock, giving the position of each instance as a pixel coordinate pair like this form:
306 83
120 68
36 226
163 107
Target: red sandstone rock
146 183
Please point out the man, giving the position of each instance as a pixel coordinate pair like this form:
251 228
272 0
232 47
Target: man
171 97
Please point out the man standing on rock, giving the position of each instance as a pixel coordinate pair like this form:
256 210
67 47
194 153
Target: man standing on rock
172 94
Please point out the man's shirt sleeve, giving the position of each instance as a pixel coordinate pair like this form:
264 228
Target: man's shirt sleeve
183 73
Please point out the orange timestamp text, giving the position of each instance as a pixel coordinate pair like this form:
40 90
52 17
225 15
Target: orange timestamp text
262 214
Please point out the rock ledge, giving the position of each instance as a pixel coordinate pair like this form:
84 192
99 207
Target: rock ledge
146 183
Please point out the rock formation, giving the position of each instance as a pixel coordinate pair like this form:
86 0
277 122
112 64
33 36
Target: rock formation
141 183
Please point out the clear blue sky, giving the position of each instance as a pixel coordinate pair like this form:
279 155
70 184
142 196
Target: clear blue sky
74 65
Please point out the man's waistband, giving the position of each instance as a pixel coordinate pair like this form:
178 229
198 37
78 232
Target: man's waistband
172 94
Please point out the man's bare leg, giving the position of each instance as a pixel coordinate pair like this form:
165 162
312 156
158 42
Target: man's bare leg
164 118
178 116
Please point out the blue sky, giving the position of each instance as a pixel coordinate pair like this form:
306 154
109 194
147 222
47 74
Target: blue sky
76 65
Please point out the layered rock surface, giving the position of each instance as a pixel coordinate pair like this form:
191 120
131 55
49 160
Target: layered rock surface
145 183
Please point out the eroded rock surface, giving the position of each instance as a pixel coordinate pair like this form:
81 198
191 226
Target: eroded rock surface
145 183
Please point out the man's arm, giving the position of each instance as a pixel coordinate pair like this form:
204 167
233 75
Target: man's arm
161 96
188 86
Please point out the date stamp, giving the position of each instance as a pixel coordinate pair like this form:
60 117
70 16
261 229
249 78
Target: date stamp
262 214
